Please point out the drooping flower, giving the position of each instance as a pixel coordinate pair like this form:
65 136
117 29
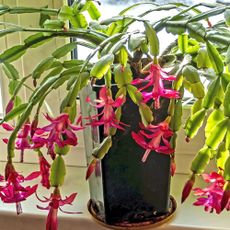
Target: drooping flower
210 199
155 81
211 196
60 131
23 140
12 190
107 117
55 204
158 136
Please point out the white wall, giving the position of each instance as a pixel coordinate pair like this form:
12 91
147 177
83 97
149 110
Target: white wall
25 67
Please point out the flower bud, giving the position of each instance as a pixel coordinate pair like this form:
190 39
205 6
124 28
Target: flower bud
9 106
188 188
91 168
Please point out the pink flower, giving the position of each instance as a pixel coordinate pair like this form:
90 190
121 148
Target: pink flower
158 136
214 178
12 191
211 196
23 140
155 81
107 117
60 131
55 203
210 199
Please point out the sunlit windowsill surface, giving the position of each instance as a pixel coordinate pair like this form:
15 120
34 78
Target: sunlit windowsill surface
187 217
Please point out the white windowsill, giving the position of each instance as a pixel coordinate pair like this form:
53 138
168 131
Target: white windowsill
187 216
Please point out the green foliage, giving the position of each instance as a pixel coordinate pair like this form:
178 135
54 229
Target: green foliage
101 67
146 114
120 55
122 75
10 71
194 123
201 160
152 39
15 112
103 148
58 172
217 134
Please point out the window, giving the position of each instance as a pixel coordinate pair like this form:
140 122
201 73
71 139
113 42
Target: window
108 8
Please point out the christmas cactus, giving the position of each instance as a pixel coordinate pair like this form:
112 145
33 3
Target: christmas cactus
198 61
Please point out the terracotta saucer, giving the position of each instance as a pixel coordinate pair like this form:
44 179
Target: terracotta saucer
164 219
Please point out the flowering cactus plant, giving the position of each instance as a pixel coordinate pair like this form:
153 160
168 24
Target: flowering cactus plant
132 60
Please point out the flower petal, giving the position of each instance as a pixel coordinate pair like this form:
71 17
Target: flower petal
146 154
33 175
68 199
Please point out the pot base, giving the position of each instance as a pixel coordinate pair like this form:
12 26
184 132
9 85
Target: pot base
156 221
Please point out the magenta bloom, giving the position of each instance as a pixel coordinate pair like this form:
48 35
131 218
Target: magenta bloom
60 131
155 81
55 204
107 117
23 140
12 191
211 196
154 138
